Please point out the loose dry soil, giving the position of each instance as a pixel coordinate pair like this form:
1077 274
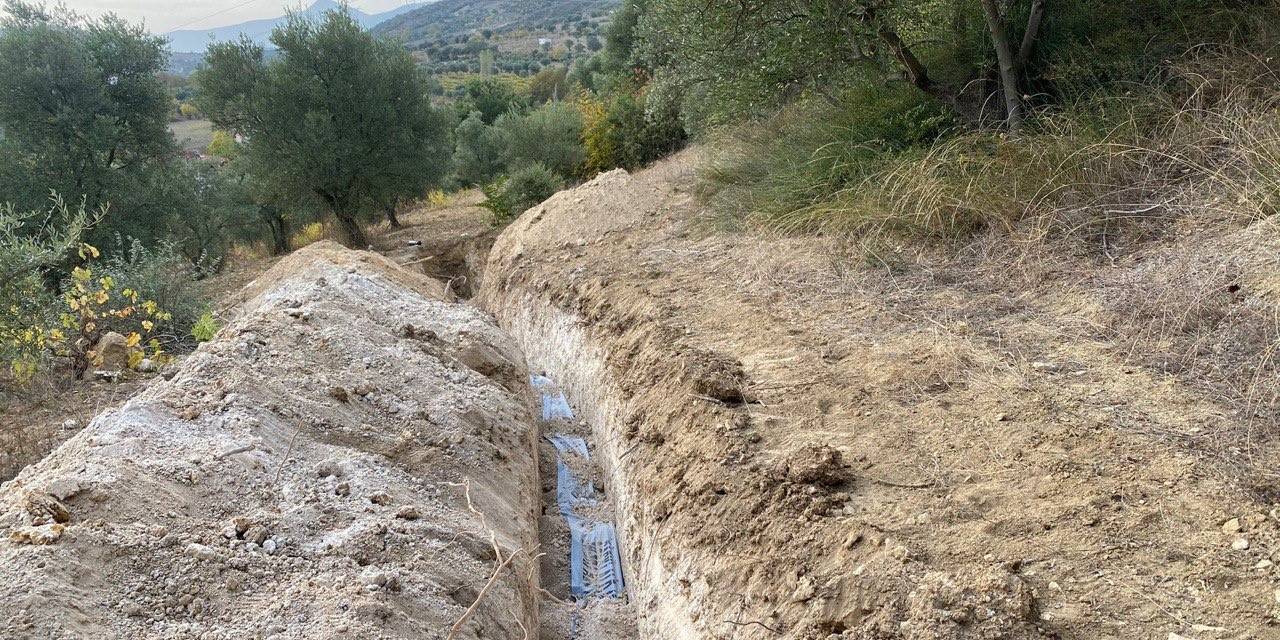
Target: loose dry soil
803 443
800 438
304 475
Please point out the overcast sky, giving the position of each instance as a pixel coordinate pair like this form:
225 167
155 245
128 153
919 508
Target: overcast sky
161 16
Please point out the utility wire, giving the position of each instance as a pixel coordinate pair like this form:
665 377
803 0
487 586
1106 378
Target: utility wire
212 15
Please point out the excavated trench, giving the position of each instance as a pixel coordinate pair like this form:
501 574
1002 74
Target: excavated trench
556 344
355 455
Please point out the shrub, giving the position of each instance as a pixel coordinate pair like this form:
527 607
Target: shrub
32 243
437 198
778 170
309 234
97 305
620 133
551 83
550 136
94 302
205 328
164 277
491 98
478 152
524 188
1203 139
223 145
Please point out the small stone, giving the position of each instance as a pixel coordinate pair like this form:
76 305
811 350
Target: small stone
147 365
804 591
200 552
38 535
853 539
1232 526
380 498
111 351
900 553
1240 544
408 512
373 577
1264 564
269 547
257 534
343 489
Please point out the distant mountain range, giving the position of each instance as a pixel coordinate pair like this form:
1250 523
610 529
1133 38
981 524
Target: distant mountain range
194 41
450 18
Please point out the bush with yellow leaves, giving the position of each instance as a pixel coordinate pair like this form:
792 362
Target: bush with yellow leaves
94 306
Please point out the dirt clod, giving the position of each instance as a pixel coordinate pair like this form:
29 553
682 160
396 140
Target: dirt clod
817 465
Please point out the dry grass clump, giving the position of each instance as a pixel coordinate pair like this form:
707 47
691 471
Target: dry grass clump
1203 137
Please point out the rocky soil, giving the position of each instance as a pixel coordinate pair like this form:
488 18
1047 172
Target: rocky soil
304 475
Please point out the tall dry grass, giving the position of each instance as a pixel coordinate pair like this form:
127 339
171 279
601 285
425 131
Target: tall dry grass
1156 202
1203 136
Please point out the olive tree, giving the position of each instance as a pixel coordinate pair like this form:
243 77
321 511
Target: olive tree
85 114
747 58
335 114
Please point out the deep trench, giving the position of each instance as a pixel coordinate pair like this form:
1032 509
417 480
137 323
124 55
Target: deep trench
563 614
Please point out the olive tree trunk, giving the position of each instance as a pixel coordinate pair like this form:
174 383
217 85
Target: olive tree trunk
352 233
1008 65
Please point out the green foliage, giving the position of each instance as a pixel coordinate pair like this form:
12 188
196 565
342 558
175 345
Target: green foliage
491 98
37 327
335 114
550 136
205 328
85 114
223 145
218 213
524 188
478 155
745 61
164 276
621 133
814 150
30 244
551 83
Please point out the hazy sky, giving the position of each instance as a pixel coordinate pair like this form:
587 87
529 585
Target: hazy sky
165 15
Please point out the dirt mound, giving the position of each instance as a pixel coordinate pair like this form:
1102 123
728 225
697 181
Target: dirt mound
1005 469
301 476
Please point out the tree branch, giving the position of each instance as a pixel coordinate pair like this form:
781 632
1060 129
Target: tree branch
1029 36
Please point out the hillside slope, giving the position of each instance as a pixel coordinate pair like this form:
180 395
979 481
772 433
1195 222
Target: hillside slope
259 31
805 442
451 18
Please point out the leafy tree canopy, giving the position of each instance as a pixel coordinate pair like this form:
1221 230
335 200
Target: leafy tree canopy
337 114
84 114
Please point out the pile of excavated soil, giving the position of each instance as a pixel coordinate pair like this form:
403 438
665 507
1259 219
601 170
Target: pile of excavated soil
804 444
301 476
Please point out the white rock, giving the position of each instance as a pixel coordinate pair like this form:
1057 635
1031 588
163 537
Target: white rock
201 552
